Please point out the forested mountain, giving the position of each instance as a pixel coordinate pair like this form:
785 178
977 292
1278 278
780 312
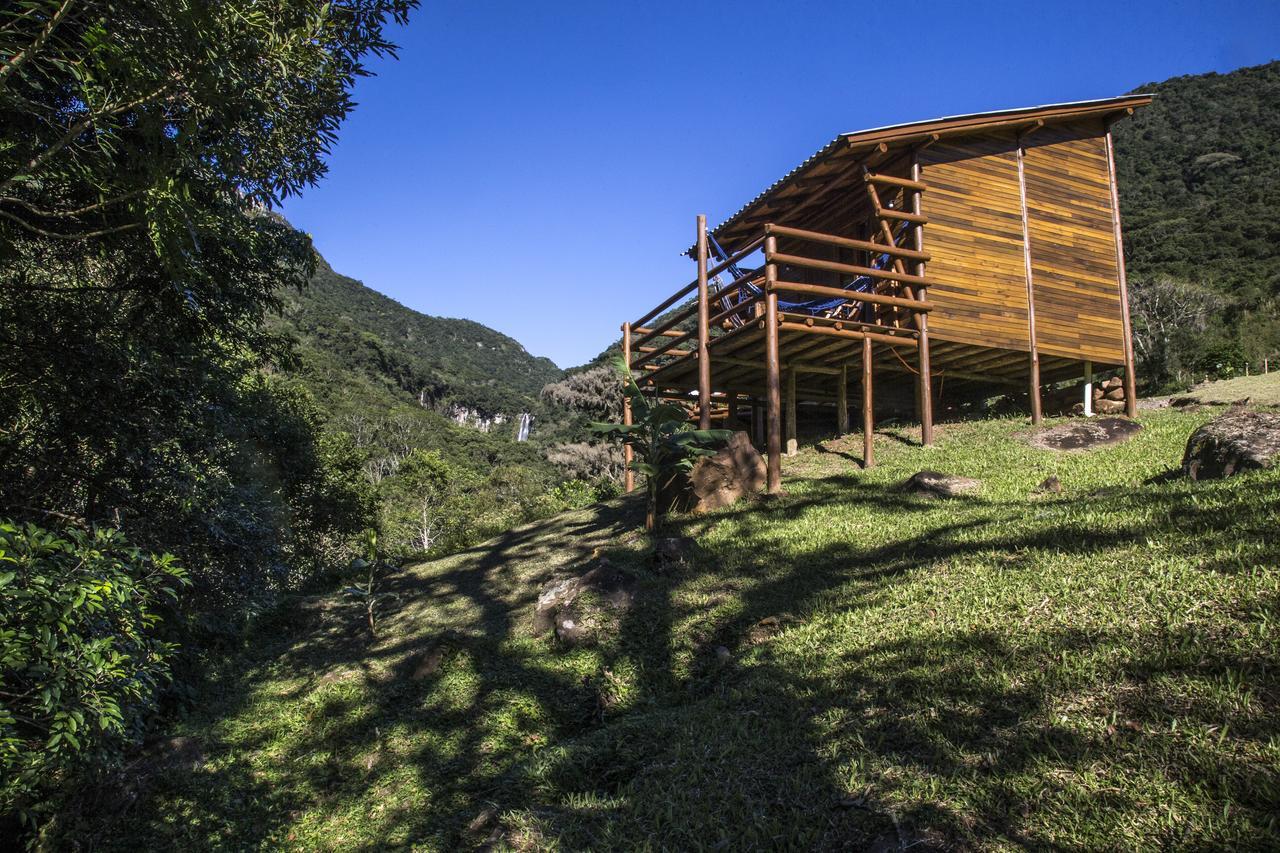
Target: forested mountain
353 334
1199 175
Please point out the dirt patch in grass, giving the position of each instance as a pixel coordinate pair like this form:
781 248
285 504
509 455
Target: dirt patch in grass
1086 434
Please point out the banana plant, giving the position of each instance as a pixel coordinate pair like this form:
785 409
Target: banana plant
664 443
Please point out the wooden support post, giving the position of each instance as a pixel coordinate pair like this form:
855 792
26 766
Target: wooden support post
842 400
704 331
757 422
1088 389
924 382
1130 375
773 372
868 410
628 476
1036 412
792 439
731 411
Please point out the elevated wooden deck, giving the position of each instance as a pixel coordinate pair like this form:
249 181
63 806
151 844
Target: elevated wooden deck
821 286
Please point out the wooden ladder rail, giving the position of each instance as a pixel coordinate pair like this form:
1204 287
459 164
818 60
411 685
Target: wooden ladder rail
912 189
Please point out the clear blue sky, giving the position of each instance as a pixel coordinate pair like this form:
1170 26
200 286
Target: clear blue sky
537 166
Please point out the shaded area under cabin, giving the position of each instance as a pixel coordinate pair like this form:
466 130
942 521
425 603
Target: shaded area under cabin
965 255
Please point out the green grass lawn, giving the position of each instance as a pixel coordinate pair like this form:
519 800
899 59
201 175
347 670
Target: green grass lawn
1090 670
1260 389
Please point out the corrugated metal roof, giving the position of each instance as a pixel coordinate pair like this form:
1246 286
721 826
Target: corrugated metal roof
905 128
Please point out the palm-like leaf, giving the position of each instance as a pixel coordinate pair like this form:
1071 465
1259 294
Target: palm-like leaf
664 442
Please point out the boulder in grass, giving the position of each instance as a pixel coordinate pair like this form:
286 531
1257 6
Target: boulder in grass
1231 443
737 470
561 610
671 551
933 484
1051 486
1086 435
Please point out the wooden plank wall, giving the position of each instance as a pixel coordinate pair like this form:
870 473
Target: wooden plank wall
1073 252
974 238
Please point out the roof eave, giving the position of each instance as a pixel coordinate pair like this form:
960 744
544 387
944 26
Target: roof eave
919 131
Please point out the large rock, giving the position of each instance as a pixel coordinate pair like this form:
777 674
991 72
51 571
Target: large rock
560 608
1231 443
935 485
1086 434
736 471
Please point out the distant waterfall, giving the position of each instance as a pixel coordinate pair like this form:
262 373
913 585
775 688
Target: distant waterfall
525 420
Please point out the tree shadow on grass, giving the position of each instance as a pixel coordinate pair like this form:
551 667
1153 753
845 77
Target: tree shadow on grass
804 740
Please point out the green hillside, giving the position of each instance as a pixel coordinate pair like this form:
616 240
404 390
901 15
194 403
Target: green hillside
437 361
1199 175
847 667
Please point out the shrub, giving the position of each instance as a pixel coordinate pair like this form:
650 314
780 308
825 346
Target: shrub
571 494
80 654
586 461
665 444
593 392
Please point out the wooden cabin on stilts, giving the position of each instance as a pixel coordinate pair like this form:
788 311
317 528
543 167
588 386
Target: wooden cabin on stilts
975 252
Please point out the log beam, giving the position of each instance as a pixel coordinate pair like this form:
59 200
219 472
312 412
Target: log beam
842 401
773 378
846 242
628 476
1034 378
868 412
704 330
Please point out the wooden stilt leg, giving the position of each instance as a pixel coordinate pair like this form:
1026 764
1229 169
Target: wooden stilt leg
731 413
773 371
628 476
793 442
1130 376
1088 389
704 331
924 390
842 400
925 381
1037 412
1034 389
868 412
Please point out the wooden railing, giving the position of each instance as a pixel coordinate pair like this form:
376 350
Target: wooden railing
751 301
892 310
658 347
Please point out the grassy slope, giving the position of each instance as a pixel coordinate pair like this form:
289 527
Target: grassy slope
1261 390
1095 670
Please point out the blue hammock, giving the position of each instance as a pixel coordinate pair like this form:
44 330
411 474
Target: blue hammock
861 284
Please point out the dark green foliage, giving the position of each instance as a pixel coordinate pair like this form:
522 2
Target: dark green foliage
133 118
142 144
80 654
394 380
1199 175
